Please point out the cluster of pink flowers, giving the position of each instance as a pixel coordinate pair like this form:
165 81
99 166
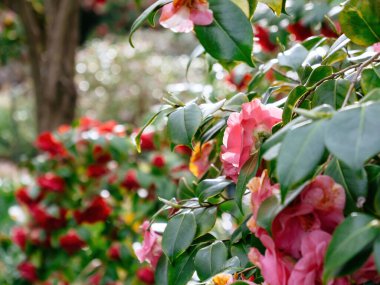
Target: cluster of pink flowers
301 233
244 134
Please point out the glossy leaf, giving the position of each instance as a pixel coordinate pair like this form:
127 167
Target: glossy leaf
181 271
293 57
355 233
205 219
294 96
354 182
210 260
370 79
210 187
373 95
277 6
331 92
340 43
360 21
151 10
161 272
350 136
246 173
178 235
319 73
300 153
183 124
230 36
377 253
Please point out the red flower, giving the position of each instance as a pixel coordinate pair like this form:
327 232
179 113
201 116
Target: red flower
19 236
146 275
28 271
98 211
158 161
47 221
183 149
94 279
24 198
86 123
114 252
239 78
51 182
327 31
107 127
46 142
100 155
264 40
147 141
300 31
130 180
71 242
96 170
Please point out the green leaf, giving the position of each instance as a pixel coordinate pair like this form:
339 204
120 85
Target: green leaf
151 10
377 253
370 79
319 73
230 36
181 271
356 233
211 187
241 250
184 123
277 6
350 134
197 52
331 92
373 95
353 182
248 170
300 153
272 206
340 43
150 121
178 235
293 57
205 219
161 272
360 21
293 98
210 260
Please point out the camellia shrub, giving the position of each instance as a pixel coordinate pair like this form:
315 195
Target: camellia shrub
286 187
89 195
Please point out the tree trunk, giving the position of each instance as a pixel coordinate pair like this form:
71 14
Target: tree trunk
52 40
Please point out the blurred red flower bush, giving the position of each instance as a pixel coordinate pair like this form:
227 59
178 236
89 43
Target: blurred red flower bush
91 192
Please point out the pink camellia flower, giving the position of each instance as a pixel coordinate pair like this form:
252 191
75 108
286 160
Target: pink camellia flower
244 133
274 266
309 269
51 182
151 249
181 15
320 206
19 237
28 271
71 242
327 199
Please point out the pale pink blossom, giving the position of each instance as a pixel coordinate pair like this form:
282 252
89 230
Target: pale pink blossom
274 266
181 15
309 268
151 248
244 134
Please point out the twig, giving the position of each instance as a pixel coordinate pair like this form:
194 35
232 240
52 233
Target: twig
359 71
